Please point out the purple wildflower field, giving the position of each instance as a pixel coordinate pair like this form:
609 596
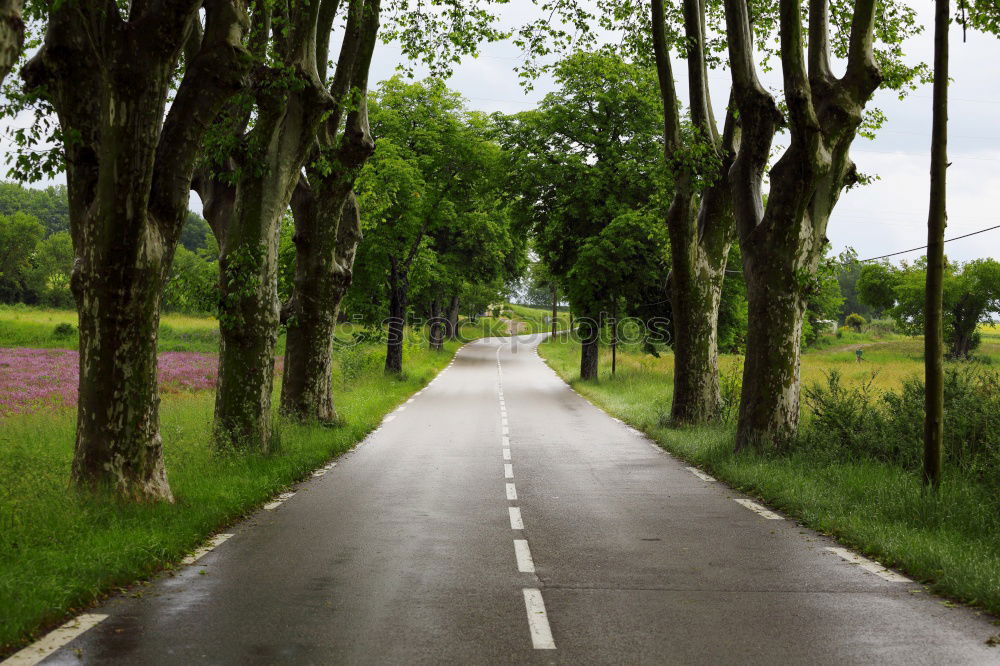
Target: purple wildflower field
32 379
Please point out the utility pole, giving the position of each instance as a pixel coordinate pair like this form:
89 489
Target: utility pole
937 220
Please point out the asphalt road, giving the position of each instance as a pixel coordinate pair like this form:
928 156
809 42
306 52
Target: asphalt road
417 548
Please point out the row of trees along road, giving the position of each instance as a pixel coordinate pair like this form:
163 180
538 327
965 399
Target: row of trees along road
586 173
146 100
436 226
713 186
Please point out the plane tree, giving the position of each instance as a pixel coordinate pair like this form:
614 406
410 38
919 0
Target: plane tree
106 71
700 215
783 239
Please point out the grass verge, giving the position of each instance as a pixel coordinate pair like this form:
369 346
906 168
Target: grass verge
60 552
950 540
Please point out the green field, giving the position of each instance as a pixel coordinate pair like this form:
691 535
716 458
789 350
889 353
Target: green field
947 540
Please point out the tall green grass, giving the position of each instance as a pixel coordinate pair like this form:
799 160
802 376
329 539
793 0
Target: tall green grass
60 551
949 539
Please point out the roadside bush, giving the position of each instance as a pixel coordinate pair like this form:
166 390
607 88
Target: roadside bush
857 422
855 321
881 327
63 331
356 361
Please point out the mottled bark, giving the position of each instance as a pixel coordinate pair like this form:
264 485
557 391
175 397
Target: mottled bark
937 220
11 35
699 222
555 310
323 272
128 172
328 224
396 322
244 206
590 333
437 326
783 243
451 324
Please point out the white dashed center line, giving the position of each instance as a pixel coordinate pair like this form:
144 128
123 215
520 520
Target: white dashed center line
538 621
508 471
515 518
506 454
758 509
523 554
511 492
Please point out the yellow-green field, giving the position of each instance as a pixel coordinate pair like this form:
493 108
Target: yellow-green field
886 361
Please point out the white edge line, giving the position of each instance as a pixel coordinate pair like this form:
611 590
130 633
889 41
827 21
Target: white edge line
758 509
870 566
388 418
54 640
511 492
213 543
538 621
523 554
516 523
318 473
700 474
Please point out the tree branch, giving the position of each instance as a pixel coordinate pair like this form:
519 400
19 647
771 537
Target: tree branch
701 104
215 75
863 75
798 94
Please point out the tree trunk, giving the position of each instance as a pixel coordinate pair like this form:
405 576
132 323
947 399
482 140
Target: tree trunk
437 326
614 340
555 311
129 169
248 324
323 271
936 222
118 444
11 35
452 324
698 266
769 406
396 324
590 333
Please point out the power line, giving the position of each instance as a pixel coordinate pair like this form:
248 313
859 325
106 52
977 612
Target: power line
922 247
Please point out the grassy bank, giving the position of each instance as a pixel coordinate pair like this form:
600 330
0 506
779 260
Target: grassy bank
950 540
60 552
533 319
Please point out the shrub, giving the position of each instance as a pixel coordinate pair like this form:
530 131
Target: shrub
881 327
858 422
855 321
63 331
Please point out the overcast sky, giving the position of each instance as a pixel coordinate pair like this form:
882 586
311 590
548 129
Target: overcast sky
884 217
